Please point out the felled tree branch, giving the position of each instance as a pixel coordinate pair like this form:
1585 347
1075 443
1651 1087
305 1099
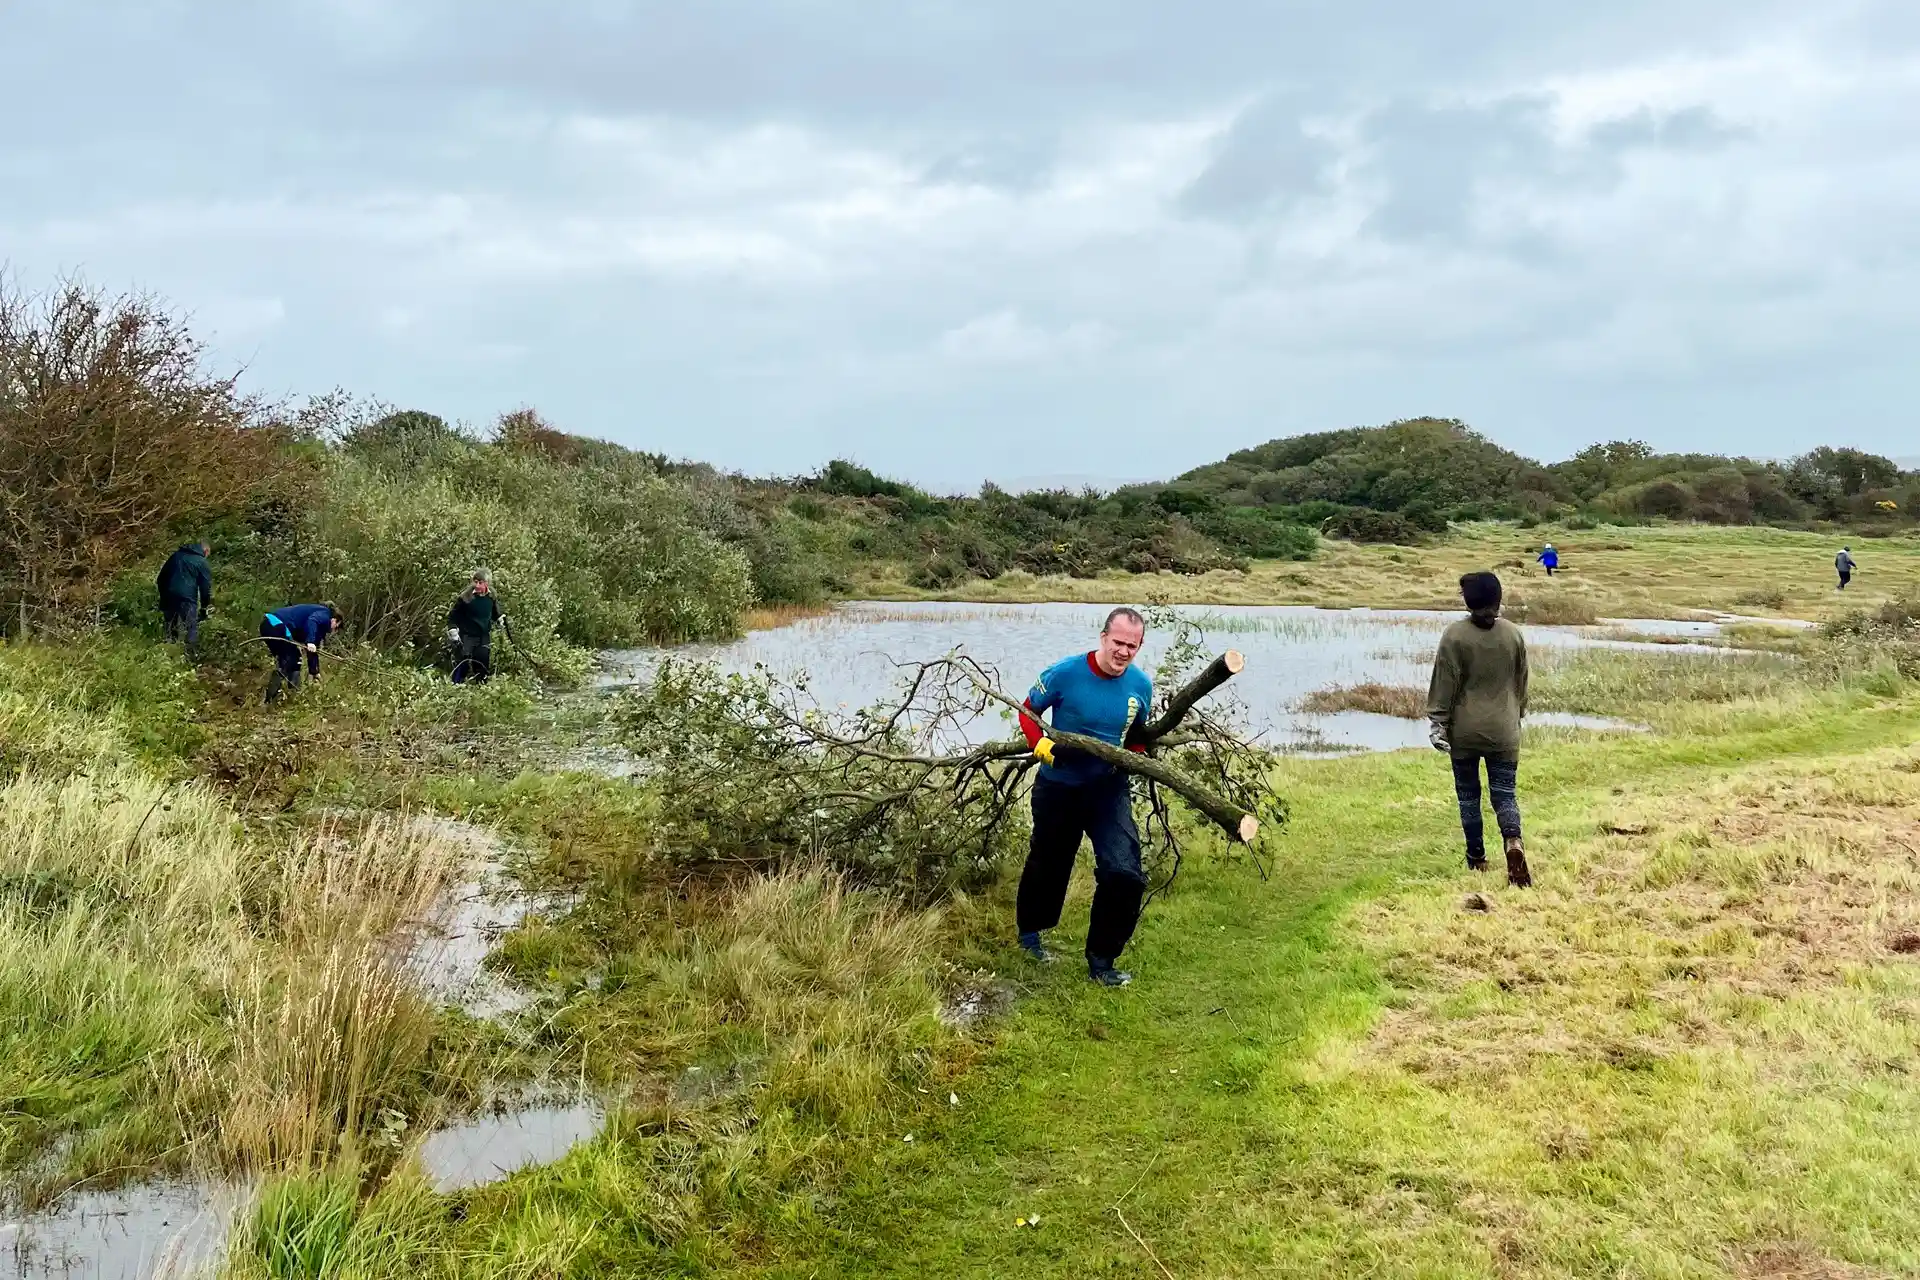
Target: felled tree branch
752 770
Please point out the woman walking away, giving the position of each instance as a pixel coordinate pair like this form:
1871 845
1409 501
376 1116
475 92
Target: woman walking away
1474 707
1843 565
1550 558
470 630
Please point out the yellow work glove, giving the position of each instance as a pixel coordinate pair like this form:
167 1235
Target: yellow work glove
1044 749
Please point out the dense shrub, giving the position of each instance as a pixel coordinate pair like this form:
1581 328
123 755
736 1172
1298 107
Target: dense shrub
112 432
1360 524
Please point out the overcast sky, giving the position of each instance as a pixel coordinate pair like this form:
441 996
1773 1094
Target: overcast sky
999 239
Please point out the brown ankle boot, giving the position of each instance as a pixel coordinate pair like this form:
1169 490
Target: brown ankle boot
1517 874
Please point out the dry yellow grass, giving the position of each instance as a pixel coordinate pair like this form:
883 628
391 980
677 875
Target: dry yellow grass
1717 985
1403 701
774 616
1658 572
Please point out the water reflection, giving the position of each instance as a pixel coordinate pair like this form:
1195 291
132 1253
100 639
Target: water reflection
850 657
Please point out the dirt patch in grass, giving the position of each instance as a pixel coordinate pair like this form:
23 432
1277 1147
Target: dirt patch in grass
1404 701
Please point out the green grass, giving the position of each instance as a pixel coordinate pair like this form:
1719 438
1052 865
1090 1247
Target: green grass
1321 1075
1687 1052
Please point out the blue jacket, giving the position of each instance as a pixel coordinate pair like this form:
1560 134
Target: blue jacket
302 624
1550 558
1087 701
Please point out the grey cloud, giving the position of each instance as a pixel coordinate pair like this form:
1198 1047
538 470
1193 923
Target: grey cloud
1696 128
1012 164
1433 160
1264 161
768 213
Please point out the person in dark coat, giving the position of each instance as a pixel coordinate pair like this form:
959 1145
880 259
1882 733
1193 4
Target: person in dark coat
186 593
470 626
1475 704
291 631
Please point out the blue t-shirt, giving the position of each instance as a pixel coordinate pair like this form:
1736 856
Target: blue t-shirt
1086 700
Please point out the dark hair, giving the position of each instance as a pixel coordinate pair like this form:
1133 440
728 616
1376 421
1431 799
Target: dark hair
1124 611
1480 590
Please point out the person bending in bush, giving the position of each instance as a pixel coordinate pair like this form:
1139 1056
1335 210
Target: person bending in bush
1099 695
290 631
470 630
186 593
1475 702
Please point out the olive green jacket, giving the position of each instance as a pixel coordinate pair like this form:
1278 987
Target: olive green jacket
1479 689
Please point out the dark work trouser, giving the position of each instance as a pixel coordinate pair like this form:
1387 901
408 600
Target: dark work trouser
1103 812
286 660
183 619
473 660
1502 782
1846 576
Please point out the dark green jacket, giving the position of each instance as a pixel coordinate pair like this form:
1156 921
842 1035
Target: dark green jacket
186 576
475 614
1479 689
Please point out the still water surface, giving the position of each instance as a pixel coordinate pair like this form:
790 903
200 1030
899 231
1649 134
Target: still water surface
851 656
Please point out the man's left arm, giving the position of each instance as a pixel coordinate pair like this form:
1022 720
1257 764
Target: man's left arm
1133 738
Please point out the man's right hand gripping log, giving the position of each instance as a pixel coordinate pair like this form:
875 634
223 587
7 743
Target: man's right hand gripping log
1102 696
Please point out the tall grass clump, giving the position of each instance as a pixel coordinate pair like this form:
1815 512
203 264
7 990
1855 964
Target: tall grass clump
823 994
171 986
1404 701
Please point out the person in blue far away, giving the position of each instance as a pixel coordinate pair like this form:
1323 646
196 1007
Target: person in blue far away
1550 558
1098 695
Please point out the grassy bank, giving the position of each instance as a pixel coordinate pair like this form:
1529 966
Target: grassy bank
1655 572
1686 1052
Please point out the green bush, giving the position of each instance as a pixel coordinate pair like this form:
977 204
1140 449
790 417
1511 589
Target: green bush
1361 524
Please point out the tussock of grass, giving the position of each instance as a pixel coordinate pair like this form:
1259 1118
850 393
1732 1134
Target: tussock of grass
166 978
1552 610
772 617
1403 701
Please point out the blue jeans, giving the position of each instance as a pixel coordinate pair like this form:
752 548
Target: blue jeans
1102 810
1502 782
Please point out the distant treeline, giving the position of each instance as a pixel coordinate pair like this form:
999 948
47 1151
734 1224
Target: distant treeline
117 442
1392 483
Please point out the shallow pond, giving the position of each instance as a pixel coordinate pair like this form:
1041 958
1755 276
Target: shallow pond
850 657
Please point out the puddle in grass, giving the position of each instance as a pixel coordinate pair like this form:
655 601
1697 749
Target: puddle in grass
850 657
448 952
152 1231
488 1148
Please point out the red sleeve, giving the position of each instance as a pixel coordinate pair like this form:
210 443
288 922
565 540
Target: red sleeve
1031 727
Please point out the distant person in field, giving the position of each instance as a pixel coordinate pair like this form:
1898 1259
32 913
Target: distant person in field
1550 558
290 632
186 593
1843 565
470 626
1098 695
1475 703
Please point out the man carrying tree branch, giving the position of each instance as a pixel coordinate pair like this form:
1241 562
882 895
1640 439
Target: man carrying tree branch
1100 695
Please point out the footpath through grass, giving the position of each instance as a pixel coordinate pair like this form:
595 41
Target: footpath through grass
1687 1052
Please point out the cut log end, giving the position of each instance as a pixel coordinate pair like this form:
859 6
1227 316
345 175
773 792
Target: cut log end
1249 828
1235 660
